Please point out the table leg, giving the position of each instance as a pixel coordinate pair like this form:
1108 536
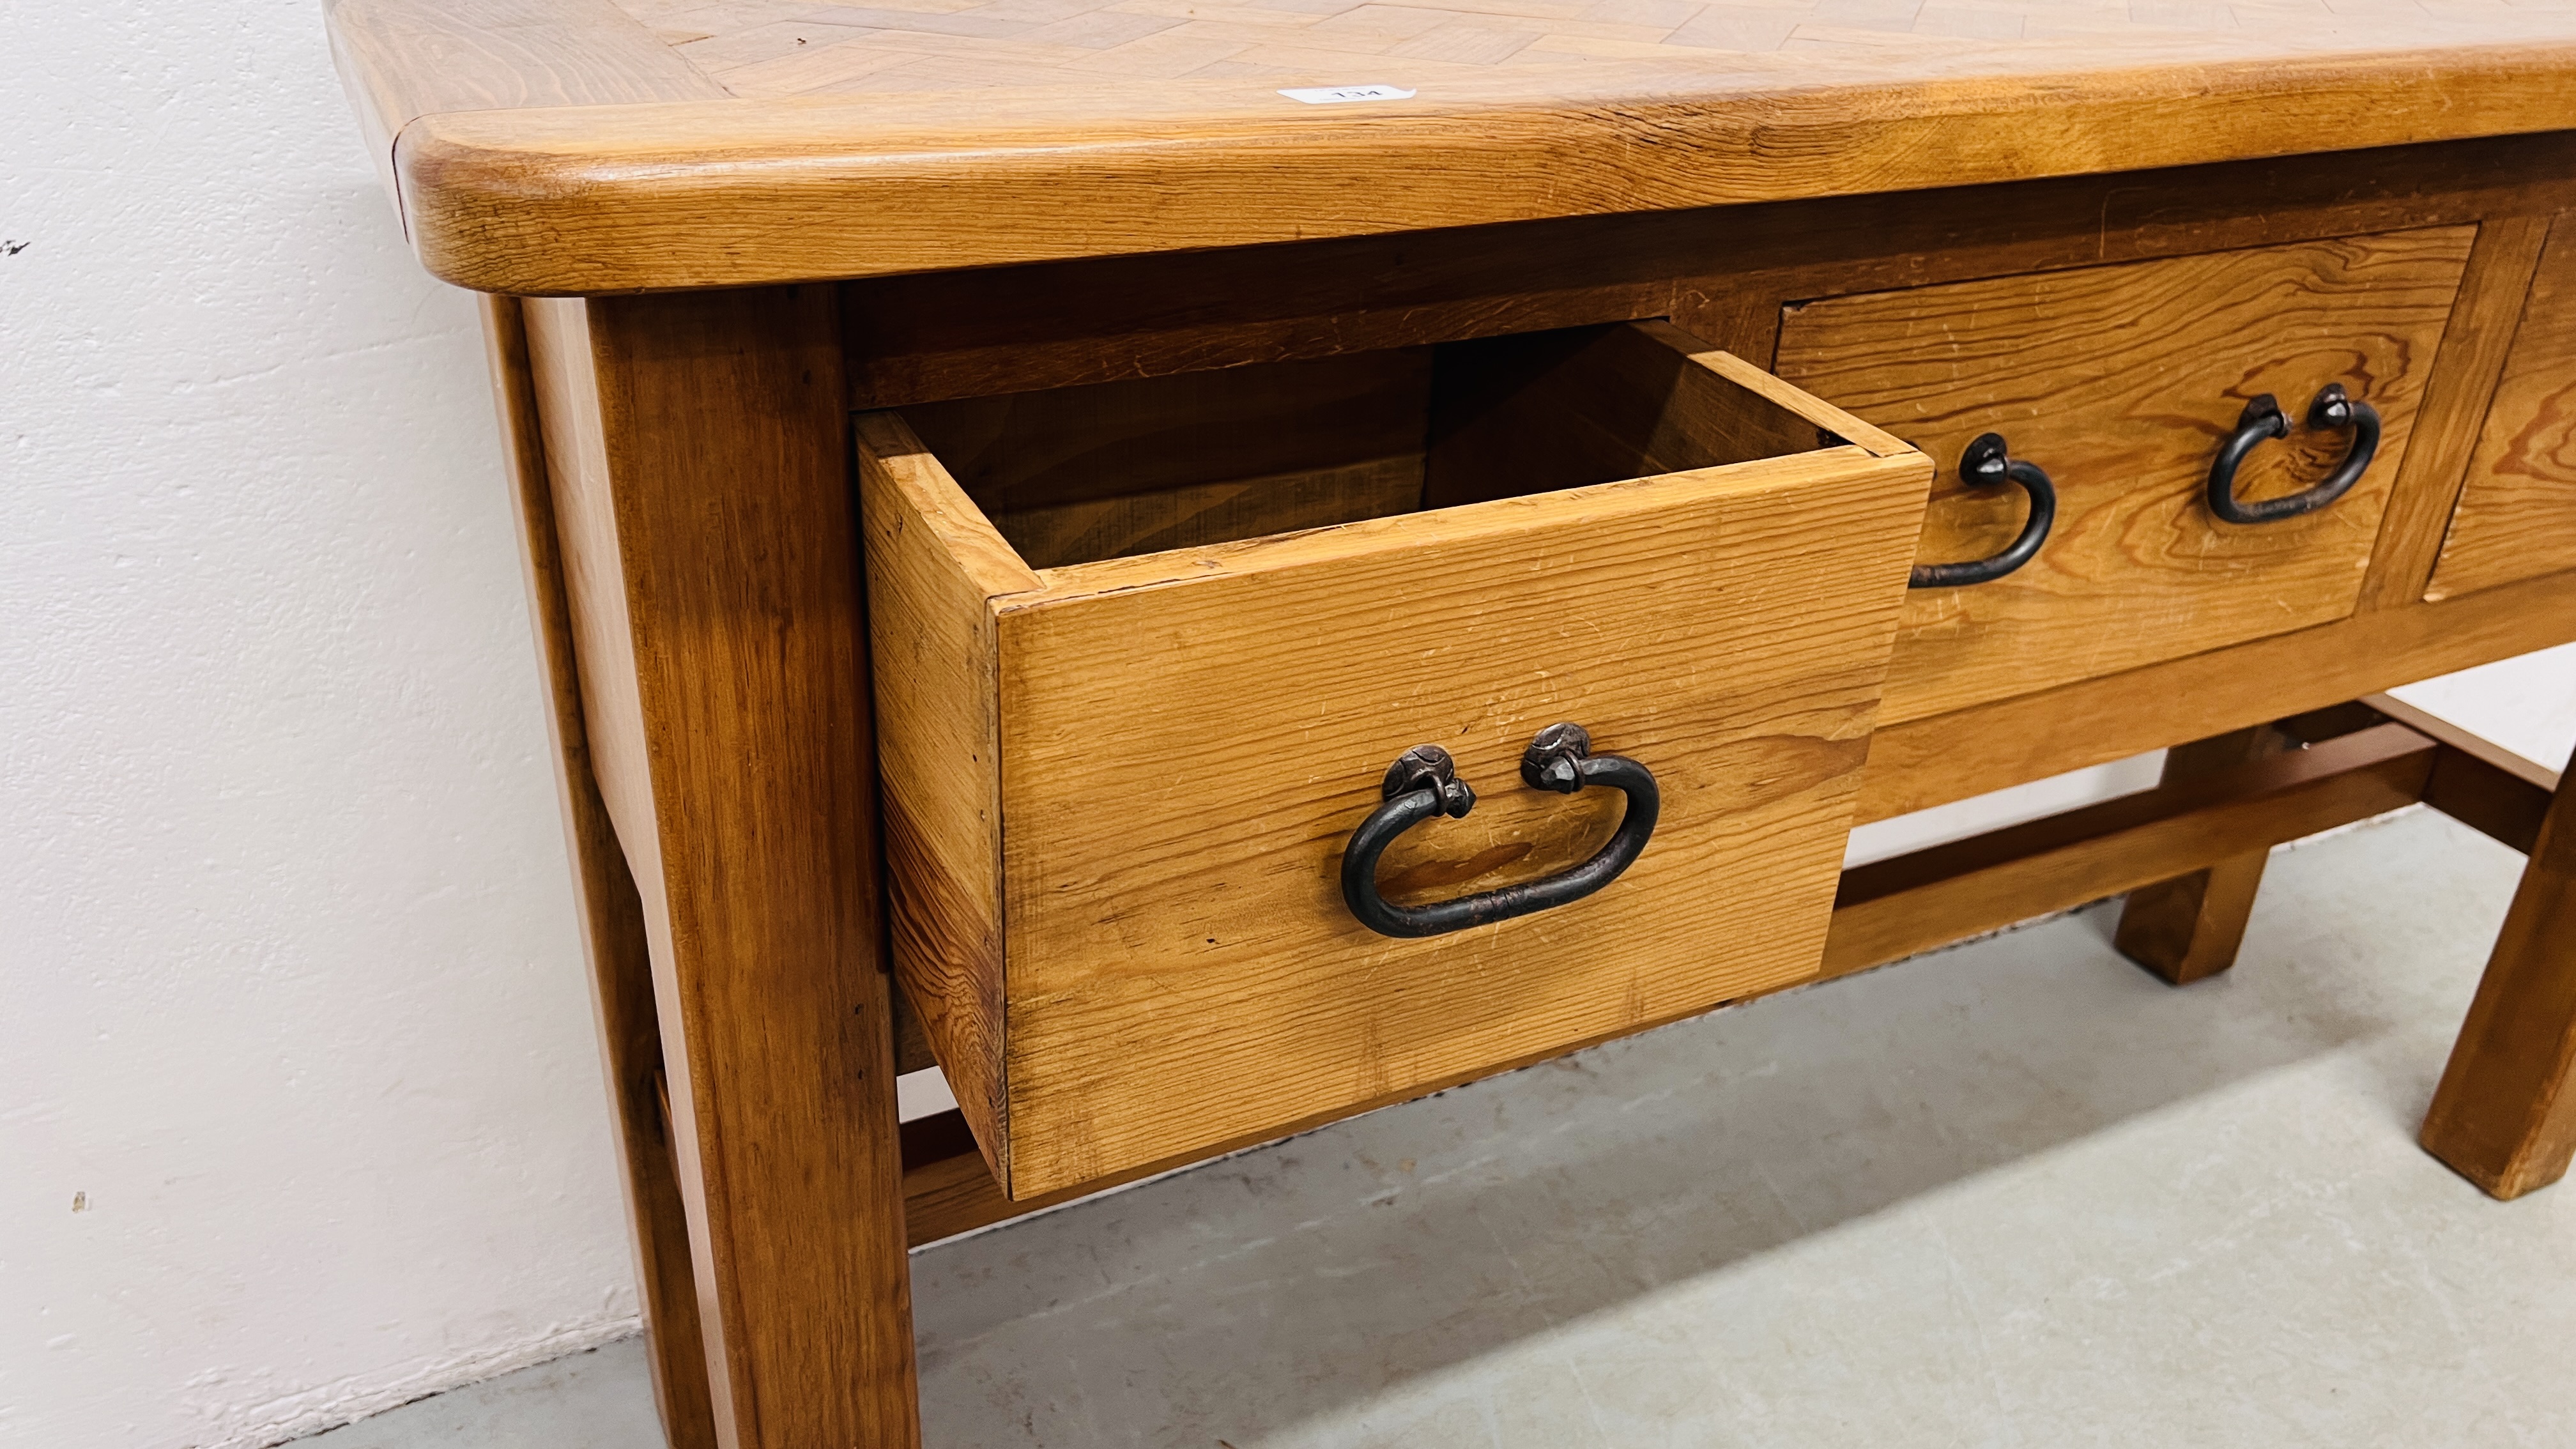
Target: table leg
612 922
2189 927
699 453
2504 1117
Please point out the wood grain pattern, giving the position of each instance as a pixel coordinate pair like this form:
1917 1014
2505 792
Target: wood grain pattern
2474 348
1182 969
1720 275
715 432
2121 382
612 921
572 427
1928 762
1146 901
782 48
2517 513
574 199
1822 411
2503 1116
1072 474
400 60
912 1051
948 1188
1895 908
1113 469
1965 888
1199 514
933 566
2188 928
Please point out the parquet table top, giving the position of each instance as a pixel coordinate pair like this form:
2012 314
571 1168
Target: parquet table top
554 146
781 48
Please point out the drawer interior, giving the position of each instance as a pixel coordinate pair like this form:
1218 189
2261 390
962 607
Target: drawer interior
1079 474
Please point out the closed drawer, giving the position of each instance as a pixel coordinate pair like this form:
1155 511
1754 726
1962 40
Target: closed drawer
1119 786
2121 384
2517 513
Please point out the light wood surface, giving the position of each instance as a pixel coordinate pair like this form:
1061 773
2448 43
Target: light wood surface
584 147
1929 762
791 48
2188 928
2517 514
1183 970
2371 756
701 463
404 59
1127 147
1187 738
2121 383
2475 346
2504 1116
1019 135
414 58
577 454
1895 908
612 921
933 567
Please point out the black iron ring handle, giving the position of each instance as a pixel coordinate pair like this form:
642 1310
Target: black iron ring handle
2262 419
1424 782
1987 462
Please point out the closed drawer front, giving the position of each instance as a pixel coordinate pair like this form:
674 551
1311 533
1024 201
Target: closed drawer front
1119 785
2121 384
2517 511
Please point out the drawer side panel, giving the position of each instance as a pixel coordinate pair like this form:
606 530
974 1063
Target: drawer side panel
932 573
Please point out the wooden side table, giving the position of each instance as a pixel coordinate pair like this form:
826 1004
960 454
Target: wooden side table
1010 498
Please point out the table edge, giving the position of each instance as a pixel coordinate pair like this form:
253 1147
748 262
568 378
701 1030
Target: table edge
689 194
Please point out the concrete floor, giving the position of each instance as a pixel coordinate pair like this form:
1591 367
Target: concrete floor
2014 1193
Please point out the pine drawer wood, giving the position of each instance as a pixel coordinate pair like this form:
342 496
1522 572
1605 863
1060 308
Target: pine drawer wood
2517 512
2121 382
1117 791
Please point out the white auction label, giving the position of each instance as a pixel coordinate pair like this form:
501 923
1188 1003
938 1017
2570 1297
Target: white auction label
1335 95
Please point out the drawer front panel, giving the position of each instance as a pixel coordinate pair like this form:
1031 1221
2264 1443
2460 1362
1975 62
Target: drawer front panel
1182 766
2121 383
1118 793
2517 512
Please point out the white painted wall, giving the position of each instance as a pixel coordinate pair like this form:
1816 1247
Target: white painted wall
290 997
289 983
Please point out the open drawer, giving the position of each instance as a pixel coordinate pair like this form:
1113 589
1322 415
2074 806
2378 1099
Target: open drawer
1120 786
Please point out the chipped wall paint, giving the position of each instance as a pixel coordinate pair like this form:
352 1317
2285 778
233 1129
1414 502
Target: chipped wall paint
299 1110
